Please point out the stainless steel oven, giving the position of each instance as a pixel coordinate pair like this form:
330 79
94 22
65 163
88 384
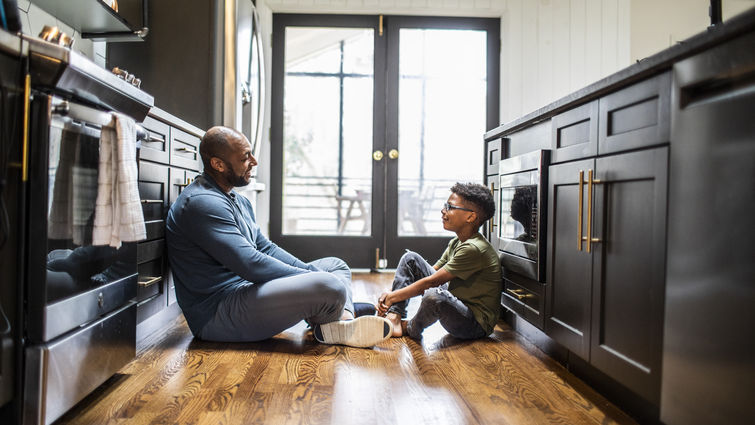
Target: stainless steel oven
523 183
80 312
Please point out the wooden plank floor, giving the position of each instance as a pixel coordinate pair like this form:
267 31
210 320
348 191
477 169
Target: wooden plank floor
291 379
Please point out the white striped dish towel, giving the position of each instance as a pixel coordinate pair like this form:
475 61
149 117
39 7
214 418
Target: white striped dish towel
118 214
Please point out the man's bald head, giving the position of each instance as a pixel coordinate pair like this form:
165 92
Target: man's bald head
217 142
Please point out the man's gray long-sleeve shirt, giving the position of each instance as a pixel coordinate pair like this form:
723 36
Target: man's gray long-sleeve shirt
216 247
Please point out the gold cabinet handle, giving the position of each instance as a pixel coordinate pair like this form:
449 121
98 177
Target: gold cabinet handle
590 181
579 210
518 293
393 154
377 155
186 150
188 182
149 281
152 201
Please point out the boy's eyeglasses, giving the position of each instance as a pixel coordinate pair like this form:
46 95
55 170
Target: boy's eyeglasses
449 207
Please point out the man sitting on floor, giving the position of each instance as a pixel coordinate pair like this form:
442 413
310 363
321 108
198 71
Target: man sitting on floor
232 283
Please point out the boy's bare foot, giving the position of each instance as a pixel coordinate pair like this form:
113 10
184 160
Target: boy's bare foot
398 324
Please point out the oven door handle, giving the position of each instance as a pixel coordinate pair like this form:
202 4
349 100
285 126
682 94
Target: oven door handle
491 222
92 116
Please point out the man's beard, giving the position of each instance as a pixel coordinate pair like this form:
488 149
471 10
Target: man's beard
235 180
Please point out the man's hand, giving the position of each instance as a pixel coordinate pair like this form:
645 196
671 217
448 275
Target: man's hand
384 303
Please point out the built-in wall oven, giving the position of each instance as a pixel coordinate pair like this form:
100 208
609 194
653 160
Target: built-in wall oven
522 212
80 313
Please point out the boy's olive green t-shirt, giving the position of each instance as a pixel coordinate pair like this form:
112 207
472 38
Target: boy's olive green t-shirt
477 281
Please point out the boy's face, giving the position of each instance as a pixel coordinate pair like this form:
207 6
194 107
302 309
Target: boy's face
455 219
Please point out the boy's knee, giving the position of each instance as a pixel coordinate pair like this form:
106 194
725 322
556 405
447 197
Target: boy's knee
433 297
410 256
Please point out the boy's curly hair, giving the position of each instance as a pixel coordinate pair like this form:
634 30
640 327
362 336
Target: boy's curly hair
478 195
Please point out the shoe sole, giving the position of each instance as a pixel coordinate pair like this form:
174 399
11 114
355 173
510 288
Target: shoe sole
361 332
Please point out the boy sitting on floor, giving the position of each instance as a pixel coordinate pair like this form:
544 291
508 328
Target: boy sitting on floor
463 288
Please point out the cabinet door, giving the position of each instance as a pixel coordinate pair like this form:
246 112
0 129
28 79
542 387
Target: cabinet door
575 133
568 288
179 179
629 269
155 148
153 191
636 117
184 149
151 293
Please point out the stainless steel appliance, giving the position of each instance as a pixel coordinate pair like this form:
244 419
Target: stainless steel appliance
521 214
708 350
80 317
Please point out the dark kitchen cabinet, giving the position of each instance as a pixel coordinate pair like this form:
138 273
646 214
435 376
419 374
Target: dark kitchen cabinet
525 297
155 148
575 133
635 117
184 149
605 297
168 162
569 269
659 301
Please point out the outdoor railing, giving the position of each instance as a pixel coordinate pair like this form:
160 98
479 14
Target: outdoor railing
311 206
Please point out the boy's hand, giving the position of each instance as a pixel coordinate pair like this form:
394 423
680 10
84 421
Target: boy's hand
384 303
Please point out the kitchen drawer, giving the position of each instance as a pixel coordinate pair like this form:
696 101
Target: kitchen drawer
150 292
535 137
184 149
61 372
148 251
525 297
575 133
179 179
635 117
156 147
493 157
151 278
151 262
153 191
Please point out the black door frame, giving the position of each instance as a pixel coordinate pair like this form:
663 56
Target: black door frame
360 251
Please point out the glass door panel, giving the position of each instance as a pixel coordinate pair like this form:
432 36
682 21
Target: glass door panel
441 117
327 131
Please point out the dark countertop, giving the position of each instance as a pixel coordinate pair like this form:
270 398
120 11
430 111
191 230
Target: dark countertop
173 120
644 68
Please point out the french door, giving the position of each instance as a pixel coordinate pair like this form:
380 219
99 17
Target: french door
373 120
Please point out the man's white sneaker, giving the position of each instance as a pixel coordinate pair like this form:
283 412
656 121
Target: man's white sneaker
364 331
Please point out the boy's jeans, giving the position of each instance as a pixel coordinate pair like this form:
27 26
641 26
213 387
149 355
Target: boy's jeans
437 303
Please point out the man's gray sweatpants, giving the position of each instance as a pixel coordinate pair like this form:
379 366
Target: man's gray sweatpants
256 312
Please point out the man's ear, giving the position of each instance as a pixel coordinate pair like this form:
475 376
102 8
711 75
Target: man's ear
217 164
